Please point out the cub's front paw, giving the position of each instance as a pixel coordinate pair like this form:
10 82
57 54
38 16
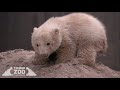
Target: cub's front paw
36 62
39 61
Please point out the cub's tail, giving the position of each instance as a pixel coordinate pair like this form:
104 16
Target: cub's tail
104 47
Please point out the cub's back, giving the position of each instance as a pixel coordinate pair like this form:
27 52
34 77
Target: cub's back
84 24
83 20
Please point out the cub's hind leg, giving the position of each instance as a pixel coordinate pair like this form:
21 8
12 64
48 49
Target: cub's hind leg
87 56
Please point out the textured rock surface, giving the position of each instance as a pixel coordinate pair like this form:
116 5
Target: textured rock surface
20 57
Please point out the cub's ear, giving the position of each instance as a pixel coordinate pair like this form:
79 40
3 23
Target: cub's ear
56 31
35 29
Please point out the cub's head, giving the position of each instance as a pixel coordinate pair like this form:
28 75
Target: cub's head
46 40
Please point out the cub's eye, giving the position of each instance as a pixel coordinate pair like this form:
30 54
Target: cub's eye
48 44
37 45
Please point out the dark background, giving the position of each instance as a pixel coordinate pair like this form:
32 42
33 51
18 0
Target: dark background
16 29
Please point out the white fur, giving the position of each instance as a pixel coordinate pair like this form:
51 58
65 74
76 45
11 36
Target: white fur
80 36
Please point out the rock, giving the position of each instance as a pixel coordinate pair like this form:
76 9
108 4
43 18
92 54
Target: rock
70 69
